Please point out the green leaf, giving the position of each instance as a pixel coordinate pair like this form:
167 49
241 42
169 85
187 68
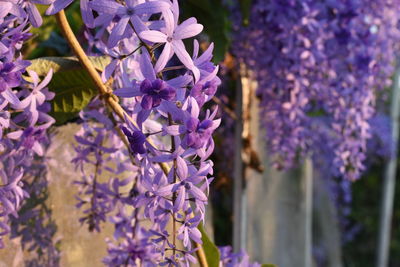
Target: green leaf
211 251
215 18
268 265
72 85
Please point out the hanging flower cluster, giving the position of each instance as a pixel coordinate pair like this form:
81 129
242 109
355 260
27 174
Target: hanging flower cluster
230 259
319 59
24 108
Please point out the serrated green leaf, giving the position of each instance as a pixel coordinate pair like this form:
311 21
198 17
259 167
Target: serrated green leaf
72 85
210 249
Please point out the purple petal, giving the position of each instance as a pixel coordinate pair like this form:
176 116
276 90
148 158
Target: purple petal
188 22
128 92
156 101
151 7
146 67
168 93
183 32
180 199
109 70
138 24
182 168
11 97
164 57
42 2
117 32
162 158
191 124
146 86
153 36
108 7
147 102
46 80
142 116
87 15
34 16
170 22
183 55
198 194
5 9
172 130
165 191
180 81
195 235
37 147
57 6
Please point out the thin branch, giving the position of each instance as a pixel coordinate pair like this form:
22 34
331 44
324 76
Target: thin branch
174 196
173 68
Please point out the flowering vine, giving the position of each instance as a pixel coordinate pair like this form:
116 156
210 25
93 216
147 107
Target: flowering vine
24 107
157 128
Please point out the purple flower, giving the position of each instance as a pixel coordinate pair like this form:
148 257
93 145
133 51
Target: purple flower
136 140
188 231
130 250
33 13
30 139
37 97
10 77
230 259
154 92
11 194
131 12
57 5
203 91
172 38
198 133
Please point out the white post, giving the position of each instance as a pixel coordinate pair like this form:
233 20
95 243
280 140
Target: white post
389 181
308 210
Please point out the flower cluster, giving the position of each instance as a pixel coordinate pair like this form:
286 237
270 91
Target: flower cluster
23 107
230 259
319 59
35 224
163 143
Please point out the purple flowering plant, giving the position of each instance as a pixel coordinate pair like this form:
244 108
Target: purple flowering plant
143 97
320 66
145 127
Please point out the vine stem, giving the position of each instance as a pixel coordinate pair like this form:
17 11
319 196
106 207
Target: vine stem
173 147
107 95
